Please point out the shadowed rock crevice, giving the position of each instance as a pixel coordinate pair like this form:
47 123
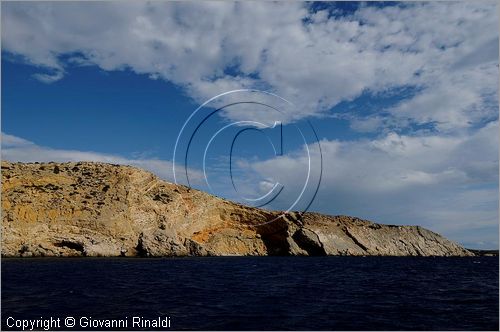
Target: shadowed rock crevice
275 236
309 241
71 245
277 244
140 249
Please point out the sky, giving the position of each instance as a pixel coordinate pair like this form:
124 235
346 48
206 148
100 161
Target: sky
389 110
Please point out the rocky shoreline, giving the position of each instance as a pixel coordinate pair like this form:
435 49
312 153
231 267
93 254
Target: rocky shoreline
96 209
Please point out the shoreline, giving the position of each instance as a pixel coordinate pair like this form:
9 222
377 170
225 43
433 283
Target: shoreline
83 209
131 258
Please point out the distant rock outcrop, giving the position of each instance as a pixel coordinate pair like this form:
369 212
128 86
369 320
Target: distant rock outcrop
95 209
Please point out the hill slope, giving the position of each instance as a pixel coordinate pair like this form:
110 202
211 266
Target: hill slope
95 209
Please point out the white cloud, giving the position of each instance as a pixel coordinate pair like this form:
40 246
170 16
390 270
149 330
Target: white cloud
11 141
457 100
315 64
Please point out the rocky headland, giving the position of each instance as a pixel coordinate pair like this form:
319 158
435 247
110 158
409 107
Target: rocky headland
96 209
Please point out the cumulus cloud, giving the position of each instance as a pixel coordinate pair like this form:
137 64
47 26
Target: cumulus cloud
312 58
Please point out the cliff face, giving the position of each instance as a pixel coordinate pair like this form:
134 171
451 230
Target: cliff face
93 209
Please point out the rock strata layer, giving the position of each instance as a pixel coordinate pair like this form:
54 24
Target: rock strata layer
95 209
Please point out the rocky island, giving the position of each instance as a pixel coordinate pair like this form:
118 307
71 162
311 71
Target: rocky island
96 209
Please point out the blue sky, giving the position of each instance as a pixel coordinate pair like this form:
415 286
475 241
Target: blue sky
403 98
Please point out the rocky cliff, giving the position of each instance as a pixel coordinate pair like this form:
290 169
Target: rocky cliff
94 209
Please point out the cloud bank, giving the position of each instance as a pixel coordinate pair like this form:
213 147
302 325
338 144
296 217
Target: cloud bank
315 58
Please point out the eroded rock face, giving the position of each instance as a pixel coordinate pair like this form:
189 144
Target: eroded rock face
94 209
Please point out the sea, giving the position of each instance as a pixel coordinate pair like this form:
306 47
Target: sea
251 293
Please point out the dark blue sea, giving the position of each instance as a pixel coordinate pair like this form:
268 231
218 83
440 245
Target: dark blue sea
258 293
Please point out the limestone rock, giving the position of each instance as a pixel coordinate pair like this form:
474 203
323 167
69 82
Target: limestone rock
95 209
160 243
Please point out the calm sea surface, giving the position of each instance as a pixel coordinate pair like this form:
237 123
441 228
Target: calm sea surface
267 293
